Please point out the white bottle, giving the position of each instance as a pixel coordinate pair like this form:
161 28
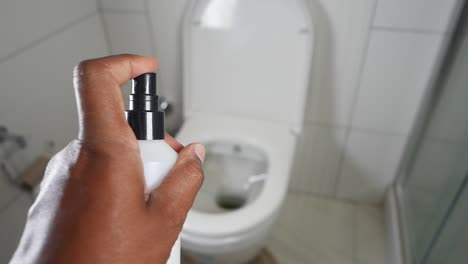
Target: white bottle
158 158
147 122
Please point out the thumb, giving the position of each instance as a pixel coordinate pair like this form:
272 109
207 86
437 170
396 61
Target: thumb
177 192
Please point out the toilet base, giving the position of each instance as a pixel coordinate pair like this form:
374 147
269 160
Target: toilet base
239 249
264 257
241 257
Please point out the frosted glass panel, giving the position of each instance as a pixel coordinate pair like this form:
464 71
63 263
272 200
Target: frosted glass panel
432 190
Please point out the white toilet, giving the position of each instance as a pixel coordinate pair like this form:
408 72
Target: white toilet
246 71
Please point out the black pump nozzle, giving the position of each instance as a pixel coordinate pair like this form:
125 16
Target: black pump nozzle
143 114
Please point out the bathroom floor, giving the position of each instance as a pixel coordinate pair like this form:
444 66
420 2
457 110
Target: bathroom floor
324 231
327 231
309 230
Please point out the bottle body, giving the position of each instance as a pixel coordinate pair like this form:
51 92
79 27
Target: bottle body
158 159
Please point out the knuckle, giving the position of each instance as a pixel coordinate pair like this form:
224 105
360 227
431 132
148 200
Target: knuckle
84 67
87 70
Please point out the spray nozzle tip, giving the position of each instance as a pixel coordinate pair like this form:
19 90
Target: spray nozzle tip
144 84
143 114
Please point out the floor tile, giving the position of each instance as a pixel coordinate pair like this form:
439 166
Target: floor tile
313 230
370 234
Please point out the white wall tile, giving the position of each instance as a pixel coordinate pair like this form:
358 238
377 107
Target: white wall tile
370 165
397 72
130 5
432 15
12 222
166 17
341 34
341 30
22 22
128 33
41 104
317 160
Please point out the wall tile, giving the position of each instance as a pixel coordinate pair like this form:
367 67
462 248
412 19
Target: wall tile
129 5
41 104
341 29
166 18
432 15
18 32
12 222
128 33
370 164
396 74
317 160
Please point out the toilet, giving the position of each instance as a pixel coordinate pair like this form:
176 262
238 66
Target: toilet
245 76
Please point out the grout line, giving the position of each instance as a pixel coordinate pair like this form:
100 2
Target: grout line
408 30
326 197
120 10
150 27
378 131
104 25
354 100
361 129
325 125
47 36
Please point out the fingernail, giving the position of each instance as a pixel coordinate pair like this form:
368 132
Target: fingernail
200 151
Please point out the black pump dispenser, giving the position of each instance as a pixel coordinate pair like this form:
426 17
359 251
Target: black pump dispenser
143 114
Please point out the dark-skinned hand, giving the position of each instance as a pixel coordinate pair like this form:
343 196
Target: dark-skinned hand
91 207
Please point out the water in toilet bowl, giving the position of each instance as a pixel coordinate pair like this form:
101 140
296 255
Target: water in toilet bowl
234 177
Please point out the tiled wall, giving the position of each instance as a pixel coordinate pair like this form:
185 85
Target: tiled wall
150 27
373 61
37 57
41 43
372 64
353 148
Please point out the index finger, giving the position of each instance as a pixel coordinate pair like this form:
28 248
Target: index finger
97 85
175 145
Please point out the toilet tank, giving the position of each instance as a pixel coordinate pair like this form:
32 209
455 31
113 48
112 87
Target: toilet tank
248 58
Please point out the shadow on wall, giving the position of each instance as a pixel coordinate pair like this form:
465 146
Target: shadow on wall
320 151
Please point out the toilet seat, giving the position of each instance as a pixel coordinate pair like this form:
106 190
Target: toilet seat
276 140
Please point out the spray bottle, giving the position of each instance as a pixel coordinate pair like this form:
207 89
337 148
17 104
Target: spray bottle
147 122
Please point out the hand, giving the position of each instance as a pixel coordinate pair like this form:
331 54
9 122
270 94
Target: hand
91 207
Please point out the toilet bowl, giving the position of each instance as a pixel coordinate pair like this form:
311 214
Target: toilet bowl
247 168
246 66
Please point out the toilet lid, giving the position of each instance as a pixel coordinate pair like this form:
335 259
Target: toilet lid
248 58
